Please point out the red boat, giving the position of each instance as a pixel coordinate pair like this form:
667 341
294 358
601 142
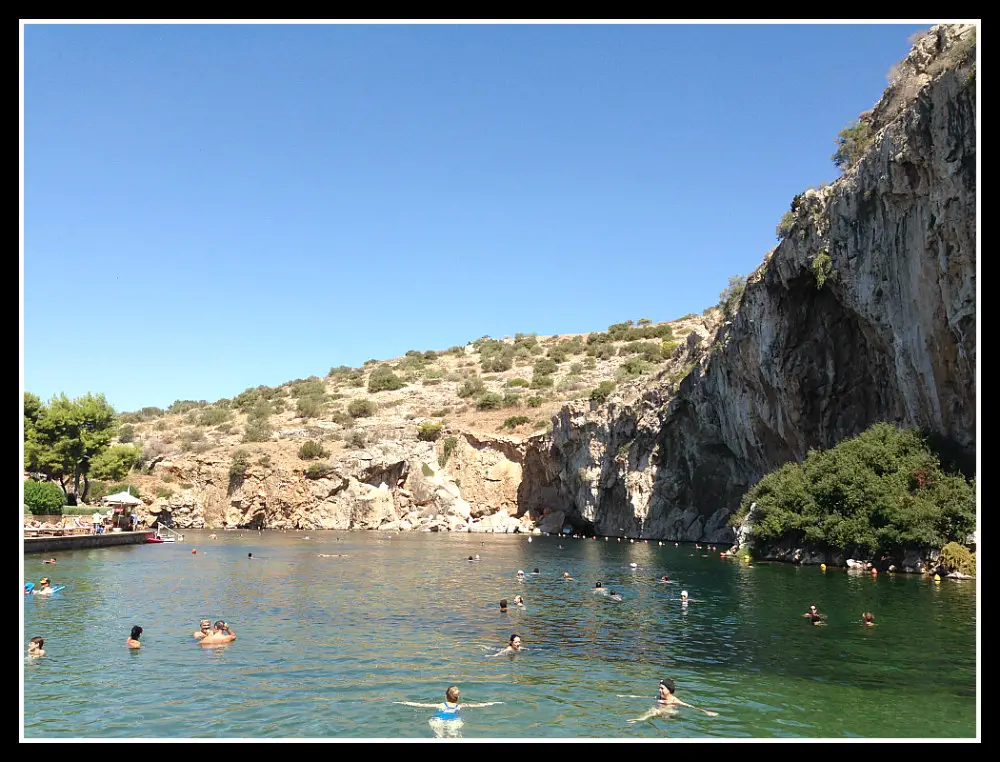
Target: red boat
153 538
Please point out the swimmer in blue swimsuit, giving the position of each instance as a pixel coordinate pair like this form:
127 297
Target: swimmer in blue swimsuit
450 708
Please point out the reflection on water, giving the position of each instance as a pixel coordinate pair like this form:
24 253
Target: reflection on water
332 629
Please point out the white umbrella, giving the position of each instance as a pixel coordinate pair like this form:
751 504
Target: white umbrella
122 498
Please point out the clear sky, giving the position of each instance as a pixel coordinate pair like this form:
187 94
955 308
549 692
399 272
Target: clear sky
212 207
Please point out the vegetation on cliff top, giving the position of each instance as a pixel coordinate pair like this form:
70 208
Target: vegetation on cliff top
878 494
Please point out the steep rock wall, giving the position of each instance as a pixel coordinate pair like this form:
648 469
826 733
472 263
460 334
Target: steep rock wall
865 312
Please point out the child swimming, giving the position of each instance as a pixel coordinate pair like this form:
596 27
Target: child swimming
446 720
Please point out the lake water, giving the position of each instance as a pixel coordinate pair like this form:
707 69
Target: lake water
325 645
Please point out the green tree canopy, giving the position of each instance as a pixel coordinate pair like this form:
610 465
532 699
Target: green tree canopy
65 435
881 492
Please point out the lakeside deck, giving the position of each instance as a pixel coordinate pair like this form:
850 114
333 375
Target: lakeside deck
52 540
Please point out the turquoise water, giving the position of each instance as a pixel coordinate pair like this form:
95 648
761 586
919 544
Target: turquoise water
325 645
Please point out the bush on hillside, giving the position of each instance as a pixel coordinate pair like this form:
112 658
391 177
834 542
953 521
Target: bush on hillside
956 557
489 401
383 379
602 391
880 493
311 450
429 431
450 443
471 387
361 408
41 498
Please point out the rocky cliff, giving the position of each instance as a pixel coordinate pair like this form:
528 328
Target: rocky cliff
865 312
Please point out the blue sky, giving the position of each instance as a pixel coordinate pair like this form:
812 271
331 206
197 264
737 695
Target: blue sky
212 207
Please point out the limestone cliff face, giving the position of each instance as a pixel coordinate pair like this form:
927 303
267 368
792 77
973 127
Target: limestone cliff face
865 312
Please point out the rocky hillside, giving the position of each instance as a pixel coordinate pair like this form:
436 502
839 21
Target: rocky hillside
865 312
416 441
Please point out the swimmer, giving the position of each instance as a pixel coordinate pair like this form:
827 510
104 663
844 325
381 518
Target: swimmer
221 634
35 647
814 616
615 596
450 708
520 574
212 536
513 646
48 561
667 703
475 557
503 605
536 571
519 601
599 588
664 579
205 629
133 638
684 597
566 575
868 619
471 558
250 556
332 555
44 587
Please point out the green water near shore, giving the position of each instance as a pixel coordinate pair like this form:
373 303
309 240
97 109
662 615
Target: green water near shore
325 645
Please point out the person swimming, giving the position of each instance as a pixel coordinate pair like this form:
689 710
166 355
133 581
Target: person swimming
814 616
503 605
448 711
519 601
664 578
599 588
566 575
513 646
536 571
615 596
133 638
667 703
868 619
35 647
520 574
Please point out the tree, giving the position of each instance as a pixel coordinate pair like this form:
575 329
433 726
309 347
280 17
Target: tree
65 436
730 297
115 463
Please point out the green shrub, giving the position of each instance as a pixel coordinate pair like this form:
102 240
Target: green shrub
956 557
355 440
126 433
534 401
239 465
542 381
264 461
311 450
545 366
450 443
163 492
429 431
518 382
309 407
514 421
257 430
383 379
729 299
489 401
213 416
631 368
667 349
880 493
852 142
42 498
471 387
318 470
785 226
602 391
361 408
822 268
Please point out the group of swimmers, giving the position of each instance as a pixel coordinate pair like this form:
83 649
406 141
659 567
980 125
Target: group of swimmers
813 615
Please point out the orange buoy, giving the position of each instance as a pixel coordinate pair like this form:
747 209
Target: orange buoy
193 551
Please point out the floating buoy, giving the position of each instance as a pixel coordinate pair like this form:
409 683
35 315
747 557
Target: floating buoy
193 551
937 578
529 539
822 567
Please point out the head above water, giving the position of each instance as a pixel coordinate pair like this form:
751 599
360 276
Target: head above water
668 684
515 640
136 632
37 641
220 625
205 624
503 604
684 594
453 694
535 571
597 585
